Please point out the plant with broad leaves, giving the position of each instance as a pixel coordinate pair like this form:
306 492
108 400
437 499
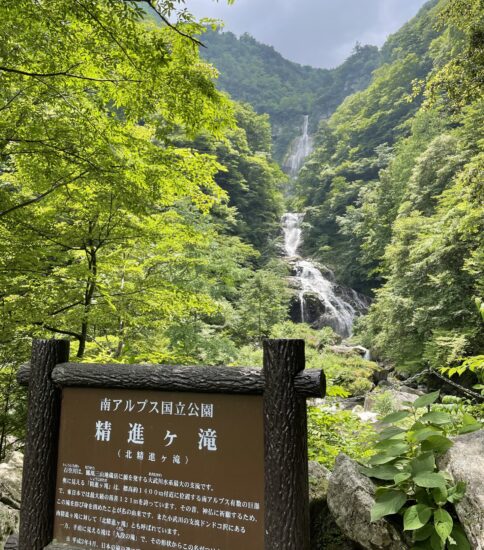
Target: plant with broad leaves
410 483
473 364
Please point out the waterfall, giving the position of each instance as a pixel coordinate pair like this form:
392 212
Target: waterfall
301 147
337 306
291 226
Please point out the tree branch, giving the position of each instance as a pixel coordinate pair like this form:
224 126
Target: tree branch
65 73
58 331
42 195
66 308
169 24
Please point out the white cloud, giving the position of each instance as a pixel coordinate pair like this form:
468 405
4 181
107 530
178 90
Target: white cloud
313 32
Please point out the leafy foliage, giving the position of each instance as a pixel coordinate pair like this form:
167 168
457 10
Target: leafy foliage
332 432
115 228
410 483
393 192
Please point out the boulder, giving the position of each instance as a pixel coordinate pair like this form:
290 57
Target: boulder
465 462
398 398
348 351
318 481
10 490
325 534
350 499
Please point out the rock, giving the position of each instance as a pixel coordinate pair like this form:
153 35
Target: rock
348 350
325 534
318 481
10 490
465 462
350 499
12 543
11 480
397 397
380 375
365 416
8 522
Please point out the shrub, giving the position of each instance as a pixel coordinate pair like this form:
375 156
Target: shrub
331 432
411 485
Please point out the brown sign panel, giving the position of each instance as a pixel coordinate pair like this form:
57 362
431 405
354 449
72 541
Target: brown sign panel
140 470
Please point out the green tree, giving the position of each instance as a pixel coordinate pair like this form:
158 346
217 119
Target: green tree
263 302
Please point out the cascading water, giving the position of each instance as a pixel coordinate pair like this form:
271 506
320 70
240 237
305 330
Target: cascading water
300 149
338 306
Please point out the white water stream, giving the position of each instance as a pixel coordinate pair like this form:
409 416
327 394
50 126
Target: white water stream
338 312
300 149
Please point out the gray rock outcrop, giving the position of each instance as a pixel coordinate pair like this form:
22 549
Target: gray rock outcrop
10 490
465 462
350 499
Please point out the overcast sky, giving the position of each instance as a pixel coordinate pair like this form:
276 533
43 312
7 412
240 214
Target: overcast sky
320 33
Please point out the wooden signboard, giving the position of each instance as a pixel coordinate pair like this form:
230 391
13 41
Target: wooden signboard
138 457
147 469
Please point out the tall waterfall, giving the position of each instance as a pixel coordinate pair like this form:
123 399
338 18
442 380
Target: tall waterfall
301 147
337 306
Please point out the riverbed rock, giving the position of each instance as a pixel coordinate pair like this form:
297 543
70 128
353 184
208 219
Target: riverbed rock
10 491
465 462
348 351
350 499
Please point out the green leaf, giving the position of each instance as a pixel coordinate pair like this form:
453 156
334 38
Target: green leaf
436 542
423 497
426 400
395 417
416 517
466 429
459 537
429 480
443 523
387 503
392 432
436 417
457 492
468 419
424 433
393 447
437 443
440 495
381 459
403 476
386 472
423 533
423 463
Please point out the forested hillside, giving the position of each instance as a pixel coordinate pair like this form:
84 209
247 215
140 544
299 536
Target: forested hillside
256 73
145 216
393 190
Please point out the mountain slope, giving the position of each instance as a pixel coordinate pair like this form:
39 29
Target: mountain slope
257 74
393 192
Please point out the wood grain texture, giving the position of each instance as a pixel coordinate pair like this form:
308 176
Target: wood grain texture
40 460
233 380
286 455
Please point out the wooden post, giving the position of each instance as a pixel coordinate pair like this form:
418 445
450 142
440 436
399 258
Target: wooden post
286 454
40 461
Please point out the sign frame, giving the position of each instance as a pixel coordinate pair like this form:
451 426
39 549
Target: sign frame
283 383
